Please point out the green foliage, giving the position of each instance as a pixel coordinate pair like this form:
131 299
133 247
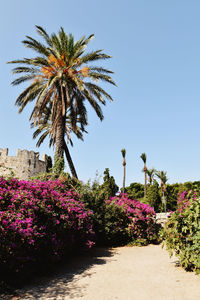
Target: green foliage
172 192
59 165
135 190
143 157
123 151
162 175
45 176
109 187
94 195
153 196
116 221
182 234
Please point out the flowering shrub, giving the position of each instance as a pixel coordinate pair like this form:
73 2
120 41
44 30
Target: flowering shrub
184 199
129 221
40 222
181 233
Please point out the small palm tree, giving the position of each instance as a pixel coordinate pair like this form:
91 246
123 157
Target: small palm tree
163 180
123 151
144 159
151 174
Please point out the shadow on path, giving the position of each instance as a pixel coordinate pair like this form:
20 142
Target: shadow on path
58 284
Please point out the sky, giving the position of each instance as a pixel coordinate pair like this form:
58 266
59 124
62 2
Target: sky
155 49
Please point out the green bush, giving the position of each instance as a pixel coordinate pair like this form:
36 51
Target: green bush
153 198
59 164
181 233
93 195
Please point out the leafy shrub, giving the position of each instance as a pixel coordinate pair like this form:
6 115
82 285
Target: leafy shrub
93 195
129 221
182 232
40 222
153 196
59 164
135 190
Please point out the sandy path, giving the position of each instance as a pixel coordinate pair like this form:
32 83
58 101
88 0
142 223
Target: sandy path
128 273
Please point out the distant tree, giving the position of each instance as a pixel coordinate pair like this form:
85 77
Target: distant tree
144 159
151 173
135 190
123 151
153 196
163 180
172 192
109 186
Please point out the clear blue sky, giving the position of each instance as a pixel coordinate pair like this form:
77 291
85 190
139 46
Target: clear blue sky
156 59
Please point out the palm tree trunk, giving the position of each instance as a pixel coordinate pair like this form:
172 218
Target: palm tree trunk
60 126
145 180
60 133
70 162
164 200
124 178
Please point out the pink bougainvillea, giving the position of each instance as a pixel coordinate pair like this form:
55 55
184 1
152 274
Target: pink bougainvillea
185 199
40 220
138 218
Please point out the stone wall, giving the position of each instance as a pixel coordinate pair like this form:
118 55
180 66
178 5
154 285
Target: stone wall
24 165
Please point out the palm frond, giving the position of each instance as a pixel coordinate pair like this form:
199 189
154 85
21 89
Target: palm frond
93 87
94 104
25 70
94 56
36 46
44 34
102 77
22 79
143 157
123 151
101 70
30 89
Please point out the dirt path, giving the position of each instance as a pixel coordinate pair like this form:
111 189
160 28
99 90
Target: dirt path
128 273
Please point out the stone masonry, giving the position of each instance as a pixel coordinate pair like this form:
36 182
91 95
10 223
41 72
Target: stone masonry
22 166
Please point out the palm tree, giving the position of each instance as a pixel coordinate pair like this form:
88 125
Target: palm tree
163 180
60 74
123 151
44 127
151 173
144 158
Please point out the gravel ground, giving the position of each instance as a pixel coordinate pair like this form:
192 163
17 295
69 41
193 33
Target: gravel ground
125 273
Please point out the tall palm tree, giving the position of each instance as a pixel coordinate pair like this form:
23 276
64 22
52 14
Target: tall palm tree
60 74
123 151
144 159
43 130
163 180
151 173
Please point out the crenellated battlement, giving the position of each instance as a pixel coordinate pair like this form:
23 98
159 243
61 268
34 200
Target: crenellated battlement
24 165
